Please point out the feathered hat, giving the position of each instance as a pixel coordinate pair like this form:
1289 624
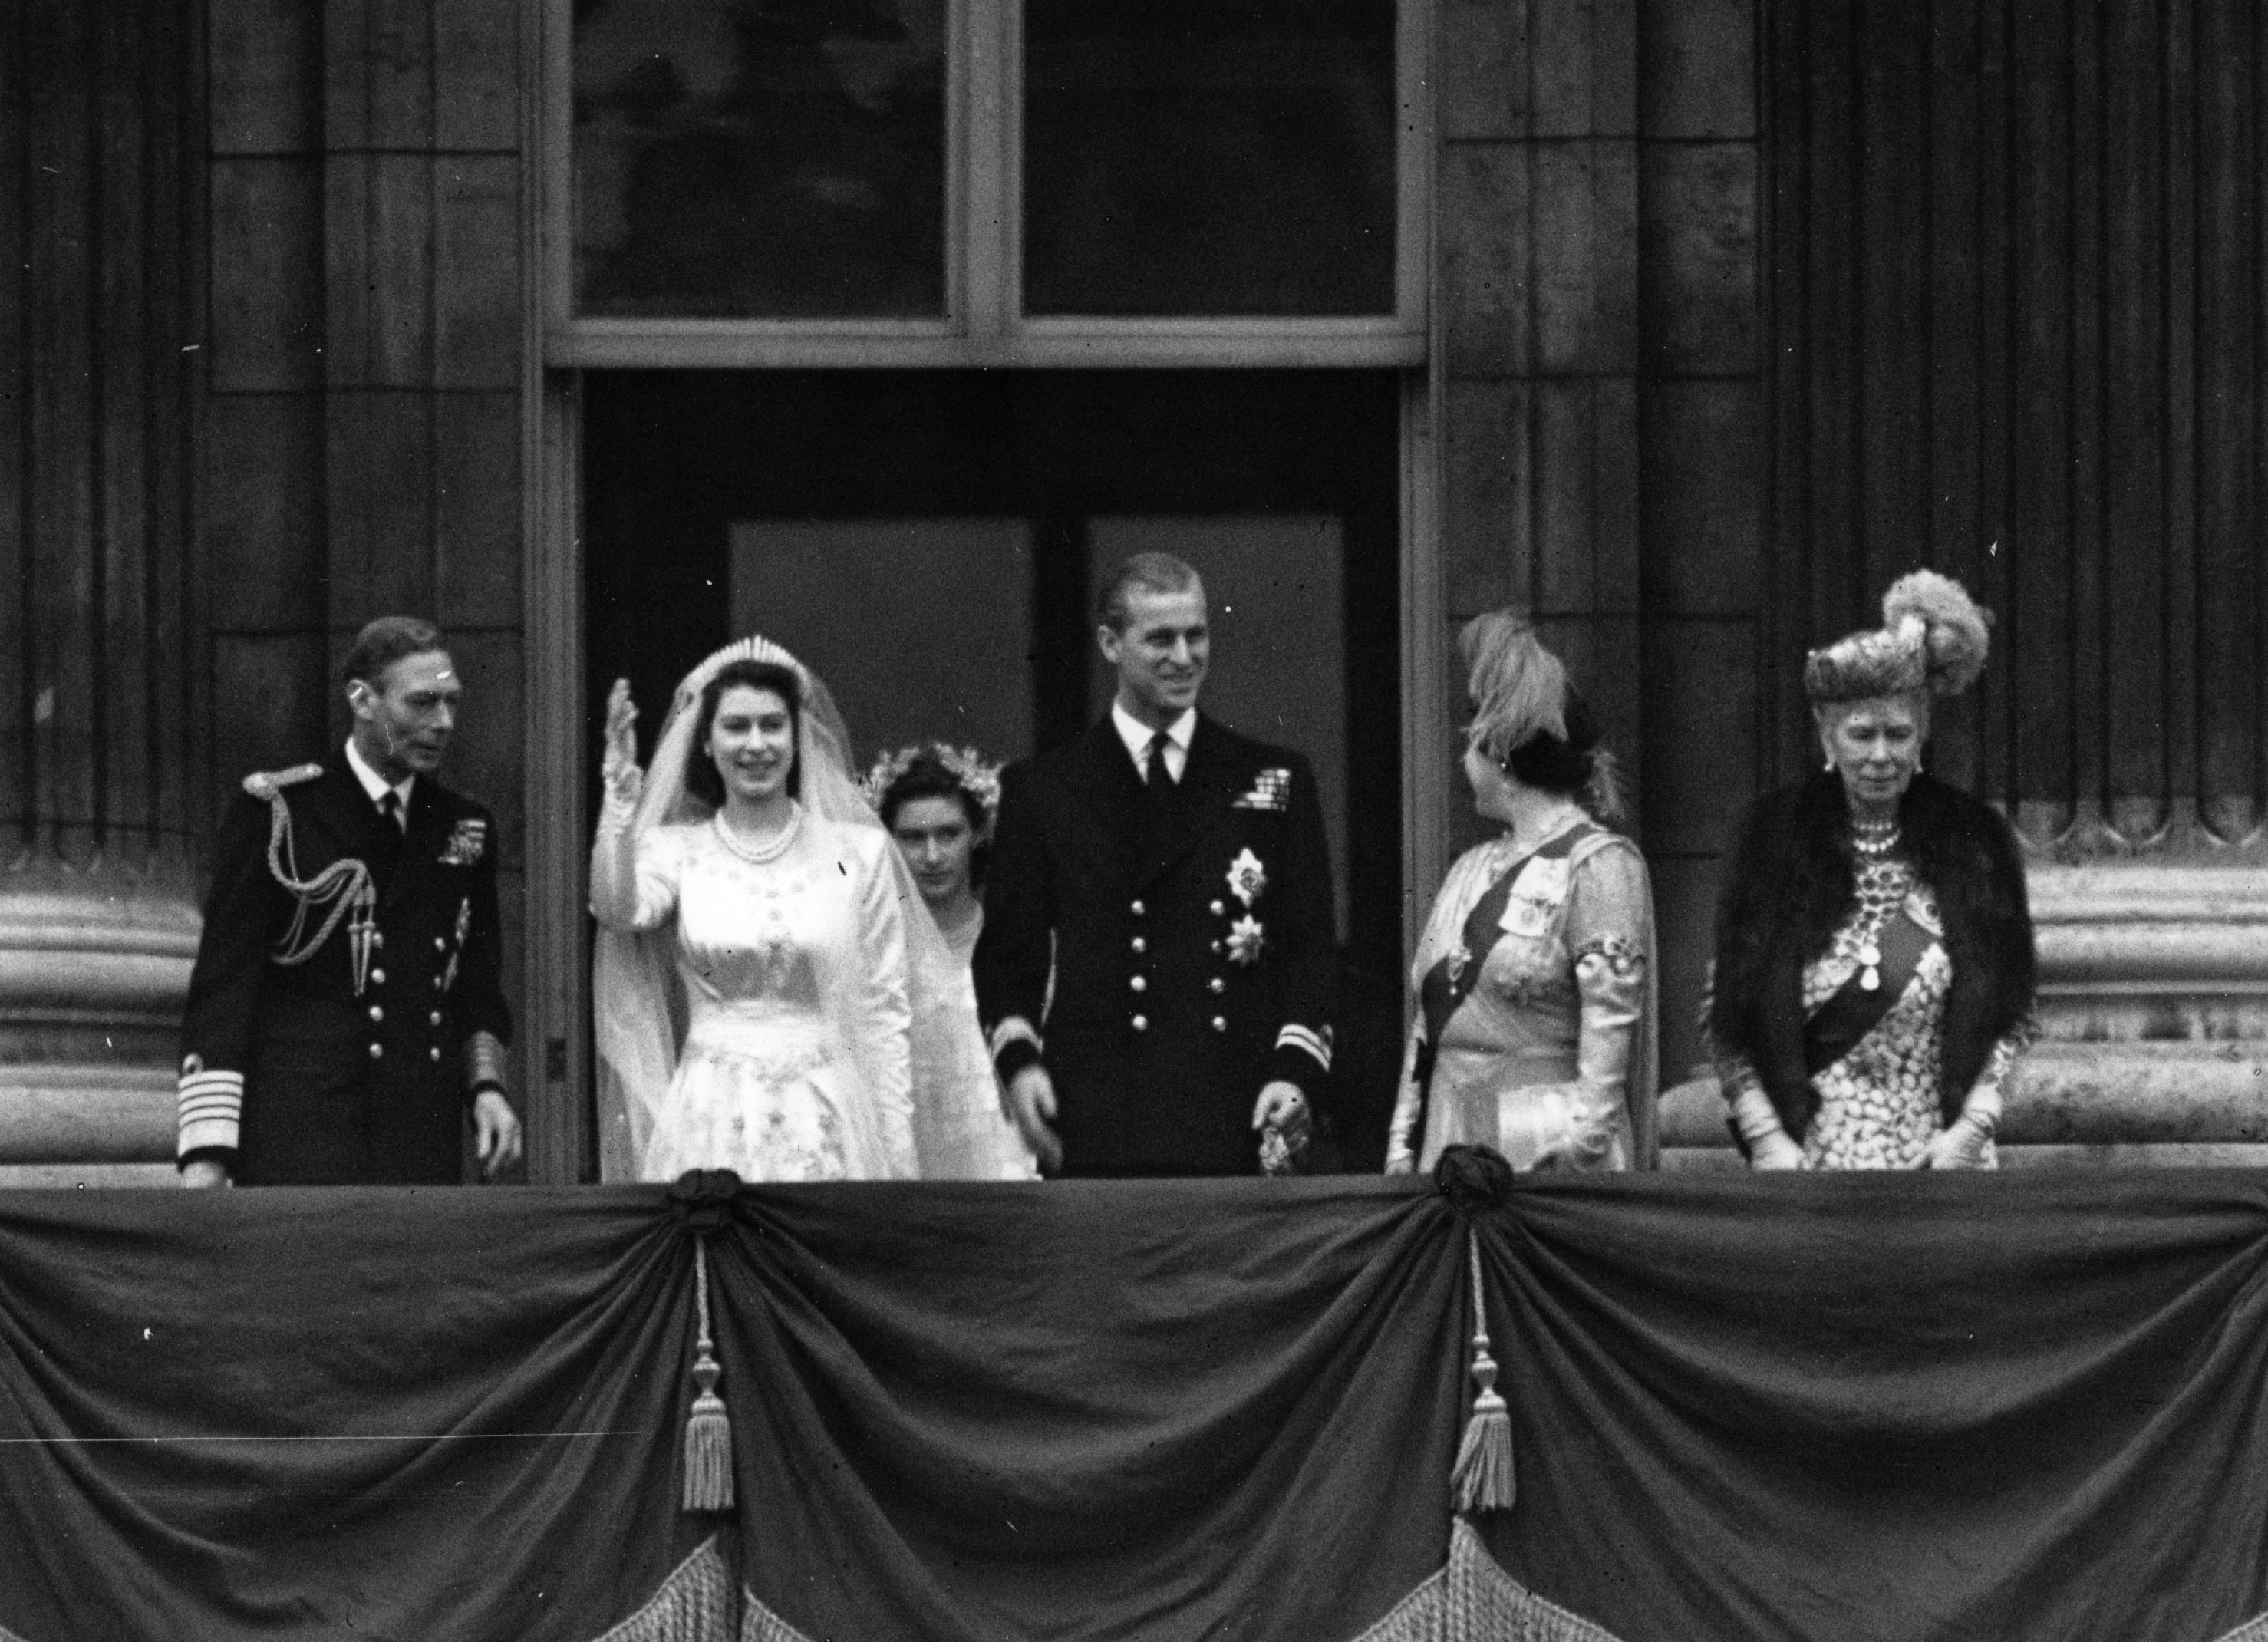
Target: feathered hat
1933 638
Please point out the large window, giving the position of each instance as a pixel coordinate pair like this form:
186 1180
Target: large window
787 246
987 182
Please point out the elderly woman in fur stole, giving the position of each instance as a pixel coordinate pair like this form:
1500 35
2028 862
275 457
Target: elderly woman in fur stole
1874 967
1534 1026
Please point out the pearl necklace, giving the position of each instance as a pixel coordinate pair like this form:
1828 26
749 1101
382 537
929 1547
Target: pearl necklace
1874 839
762 854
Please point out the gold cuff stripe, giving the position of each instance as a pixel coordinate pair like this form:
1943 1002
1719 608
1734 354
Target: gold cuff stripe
484 1060
1014 1029
1306 1038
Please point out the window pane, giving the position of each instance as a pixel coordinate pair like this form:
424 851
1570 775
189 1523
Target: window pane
759 158
1209 156
882 610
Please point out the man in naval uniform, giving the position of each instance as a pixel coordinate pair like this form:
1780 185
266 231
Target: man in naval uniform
1155 970
346 1006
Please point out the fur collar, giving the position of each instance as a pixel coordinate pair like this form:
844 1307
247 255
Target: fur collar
1790 883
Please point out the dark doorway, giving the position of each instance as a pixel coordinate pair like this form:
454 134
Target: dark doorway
926 541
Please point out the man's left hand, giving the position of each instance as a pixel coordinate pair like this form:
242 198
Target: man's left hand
1282 1107
495 1133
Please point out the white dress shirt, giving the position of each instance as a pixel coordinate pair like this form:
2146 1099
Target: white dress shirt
1137 736
375 784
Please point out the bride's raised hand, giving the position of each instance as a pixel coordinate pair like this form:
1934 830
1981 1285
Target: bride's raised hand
618 765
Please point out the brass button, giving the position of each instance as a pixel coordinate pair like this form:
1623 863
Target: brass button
1140 944
442 945
435 1052
1141 1024
438 980
1216 985
378 977
1215 909
378 937
437 1017
1218 1023
1216 946
1139 984
1138 908
377 1052
376 1013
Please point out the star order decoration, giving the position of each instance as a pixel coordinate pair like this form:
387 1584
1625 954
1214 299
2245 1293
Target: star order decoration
1247 878
1246 940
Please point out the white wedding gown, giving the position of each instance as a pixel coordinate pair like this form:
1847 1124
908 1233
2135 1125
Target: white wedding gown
796 1064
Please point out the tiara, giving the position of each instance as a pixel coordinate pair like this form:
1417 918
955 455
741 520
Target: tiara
965 764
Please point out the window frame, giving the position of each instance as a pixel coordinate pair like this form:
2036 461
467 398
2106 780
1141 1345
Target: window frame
983 325
555 983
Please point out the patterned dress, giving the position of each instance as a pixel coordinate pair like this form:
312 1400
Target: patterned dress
1879 1103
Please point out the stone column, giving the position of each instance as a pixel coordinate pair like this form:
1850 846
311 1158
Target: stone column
102 719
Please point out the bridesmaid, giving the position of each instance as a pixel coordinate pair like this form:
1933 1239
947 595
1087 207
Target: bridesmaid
938 802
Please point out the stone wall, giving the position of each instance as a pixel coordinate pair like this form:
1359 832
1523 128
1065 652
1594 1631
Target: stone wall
1605 453
272 292
102 690
364 428
270 278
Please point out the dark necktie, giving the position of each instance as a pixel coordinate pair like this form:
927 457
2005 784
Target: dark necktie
389 804
1155 775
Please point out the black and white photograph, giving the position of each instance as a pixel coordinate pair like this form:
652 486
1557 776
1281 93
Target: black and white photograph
1134 820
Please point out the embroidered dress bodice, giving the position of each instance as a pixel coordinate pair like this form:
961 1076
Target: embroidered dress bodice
1545 1014
795 1060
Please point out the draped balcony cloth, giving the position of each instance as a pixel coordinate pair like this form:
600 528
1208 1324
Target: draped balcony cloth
2028 1406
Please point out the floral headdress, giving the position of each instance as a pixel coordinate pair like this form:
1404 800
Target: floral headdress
980 780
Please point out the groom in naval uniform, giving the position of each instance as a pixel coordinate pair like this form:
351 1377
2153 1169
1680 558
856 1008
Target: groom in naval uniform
347 1007
1154 974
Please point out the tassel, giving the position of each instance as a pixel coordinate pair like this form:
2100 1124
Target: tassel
708 1428
1483 1479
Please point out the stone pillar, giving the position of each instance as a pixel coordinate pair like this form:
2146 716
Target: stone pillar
1537 214
1605 465
425 298
102 716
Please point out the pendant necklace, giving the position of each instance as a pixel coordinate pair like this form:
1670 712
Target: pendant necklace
1873 840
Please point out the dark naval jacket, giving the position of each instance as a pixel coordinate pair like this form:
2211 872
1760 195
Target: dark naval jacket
1191 939
306 1072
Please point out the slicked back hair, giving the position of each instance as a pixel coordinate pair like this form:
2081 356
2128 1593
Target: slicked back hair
385 641
1152 572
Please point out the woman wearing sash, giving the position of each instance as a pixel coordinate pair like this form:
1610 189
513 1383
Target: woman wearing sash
1875 964
1535 977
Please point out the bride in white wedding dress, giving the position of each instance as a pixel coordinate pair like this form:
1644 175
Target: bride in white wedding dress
771 995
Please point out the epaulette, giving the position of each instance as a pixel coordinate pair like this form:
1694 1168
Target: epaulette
264 784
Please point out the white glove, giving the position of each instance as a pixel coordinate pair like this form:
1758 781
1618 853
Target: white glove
1960 1144
1775 1151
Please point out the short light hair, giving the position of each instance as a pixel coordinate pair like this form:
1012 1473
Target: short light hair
385 641
1152 572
